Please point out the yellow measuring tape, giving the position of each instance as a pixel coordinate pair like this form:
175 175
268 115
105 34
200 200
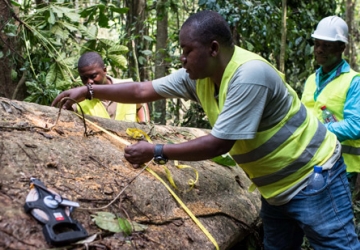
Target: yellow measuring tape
187 210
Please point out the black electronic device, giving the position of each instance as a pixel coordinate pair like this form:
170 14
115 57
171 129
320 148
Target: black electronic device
53 211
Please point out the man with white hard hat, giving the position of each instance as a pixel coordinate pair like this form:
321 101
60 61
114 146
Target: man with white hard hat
337 87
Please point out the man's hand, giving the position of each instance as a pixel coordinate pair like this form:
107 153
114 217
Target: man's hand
139 153
78 94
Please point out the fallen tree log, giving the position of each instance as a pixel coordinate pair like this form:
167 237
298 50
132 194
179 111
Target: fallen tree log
92 171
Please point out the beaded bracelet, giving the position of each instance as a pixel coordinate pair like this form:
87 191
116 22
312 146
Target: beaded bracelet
90 94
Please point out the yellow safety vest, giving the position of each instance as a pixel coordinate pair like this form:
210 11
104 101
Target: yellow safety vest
282 156
333 96
124 112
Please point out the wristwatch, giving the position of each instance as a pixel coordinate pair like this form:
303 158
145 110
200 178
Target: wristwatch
159 158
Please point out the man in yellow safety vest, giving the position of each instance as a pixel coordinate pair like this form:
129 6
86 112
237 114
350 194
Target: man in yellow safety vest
258 118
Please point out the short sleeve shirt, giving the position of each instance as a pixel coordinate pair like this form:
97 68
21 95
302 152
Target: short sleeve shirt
256 99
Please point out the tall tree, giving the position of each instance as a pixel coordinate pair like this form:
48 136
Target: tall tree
8 51
161 55
283 37
135 24
350 51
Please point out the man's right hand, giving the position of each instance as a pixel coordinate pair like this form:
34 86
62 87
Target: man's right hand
78 94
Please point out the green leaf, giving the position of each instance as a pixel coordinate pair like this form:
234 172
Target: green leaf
15 3
69 13
112 8
146 52
298 41
108 221
69 26
125 226
88 11
150 39
118 48
103 20
51 75
10 29
70 61
51 18
107 42
137 227
89 32
60 32
14 74
74 17
225 160
118 60
57 10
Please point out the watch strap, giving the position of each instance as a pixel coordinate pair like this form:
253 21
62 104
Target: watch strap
158 150
159 157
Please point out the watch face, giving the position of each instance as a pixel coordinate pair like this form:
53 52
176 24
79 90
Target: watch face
160 160
158 155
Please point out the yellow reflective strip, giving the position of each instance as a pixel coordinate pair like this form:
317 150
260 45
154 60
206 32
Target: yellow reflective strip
192 216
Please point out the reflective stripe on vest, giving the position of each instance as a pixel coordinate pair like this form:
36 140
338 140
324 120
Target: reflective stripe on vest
334 96
281 156
275 141
350 150
297 164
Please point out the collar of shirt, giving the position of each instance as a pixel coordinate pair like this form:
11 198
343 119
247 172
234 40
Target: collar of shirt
323 79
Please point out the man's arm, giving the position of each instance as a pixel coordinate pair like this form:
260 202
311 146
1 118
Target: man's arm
202 148
142 112
132 92
349 128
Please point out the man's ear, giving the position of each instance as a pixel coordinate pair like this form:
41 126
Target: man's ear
104 69
214 48
342 47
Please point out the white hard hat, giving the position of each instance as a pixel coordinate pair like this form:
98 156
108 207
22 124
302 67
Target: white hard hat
332 28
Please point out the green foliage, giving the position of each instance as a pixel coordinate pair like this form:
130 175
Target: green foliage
42 91
258 29
112 223
101 13
224 160
42 33
51 40
111 51
195 117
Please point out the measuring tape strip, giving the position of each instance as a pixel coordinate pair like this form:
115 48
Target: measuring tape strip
187 210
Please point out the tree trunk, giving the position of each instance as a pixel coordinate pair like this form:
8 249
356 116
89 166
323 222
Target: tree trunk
283 37
350 51
6 84
92 171
11 86
135 26
161 54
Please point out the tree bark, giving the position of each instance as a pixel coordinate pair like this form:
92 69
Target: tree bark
350 51
6 84
161 54
283 37
92 171
136 27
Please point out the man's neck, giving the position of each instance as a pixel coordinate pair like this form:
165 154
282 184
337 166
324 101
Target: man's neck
327 69
223 62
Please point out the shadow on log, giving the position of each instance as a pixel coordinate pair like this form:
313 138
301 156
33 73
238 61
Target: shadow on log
92 171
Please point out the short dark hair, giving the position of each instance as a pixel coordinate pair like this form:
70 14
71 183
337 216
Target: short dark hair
90 58
209 26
